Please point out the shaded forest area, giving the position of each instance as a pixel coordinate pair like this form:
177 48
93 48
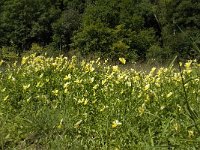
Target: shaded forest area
133 29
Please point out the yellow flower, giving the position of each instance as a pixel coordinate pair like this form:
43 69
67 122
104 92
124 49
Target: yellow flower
39 84
190 133
66 91
141 109
89 68
78 81
103 81
1 62
3 90
188 71
176 126
10 76
65 86
152 70
85 102
115 68
169 94
122 60
128 83
67 77
180 64
162 107
147 87
116 123
6 98
24 59
81 101
179 108
188 64
28 100
104 107
60 124
91 80
55 92
95 86
42 74
25 87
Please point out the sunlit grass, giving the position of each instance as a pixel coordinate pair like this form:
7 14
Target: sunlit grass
48 103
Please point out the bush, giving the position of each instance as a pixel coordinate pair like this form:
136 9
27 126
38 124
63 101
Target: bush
162 55
8 53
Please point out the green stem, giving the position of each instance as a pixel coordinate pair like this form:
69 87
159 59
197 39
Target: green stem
192 115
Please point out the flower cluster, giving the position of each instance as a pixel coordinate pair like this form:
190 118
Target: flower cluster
102 101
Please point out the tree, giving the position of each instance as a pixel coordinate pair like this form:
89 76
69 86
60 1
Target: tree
104 20
183 28
64 27
2 32
27 21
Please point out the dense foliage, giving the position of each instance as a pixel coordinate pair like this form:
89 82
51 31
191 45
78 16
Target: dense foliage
113 28
51 103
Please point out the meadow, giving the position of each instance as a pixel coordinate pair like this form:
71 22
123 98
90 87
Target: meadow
61 103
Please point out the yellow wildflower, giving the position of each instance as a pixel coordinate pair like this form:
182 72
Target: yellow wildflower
190 133
55 92
116 123
103 81
91 80
179 108
141 110
95 86
60 124
25 87
3 90
42 74
85 102
128 83
78 81
65 86
115 68
188 71
180 64
1 62
162 107
89 68
39 84
67 77
6 98
122 60
66 91
104 107
28 100
147 87
81 101
10 76
188 64
176 126
24 59
152 71
169 94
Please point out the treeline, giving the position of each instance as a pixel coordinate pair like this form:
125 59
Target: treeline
133 29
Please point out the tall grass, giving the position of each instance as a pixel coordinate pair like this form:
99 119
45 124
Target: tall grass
57 103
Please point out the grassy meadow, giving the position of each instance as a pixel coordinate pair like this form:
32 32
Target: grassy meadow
61 103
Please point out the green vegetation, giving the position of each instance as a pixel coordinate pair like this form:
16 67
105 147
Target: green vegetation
57 103
49 101
136 30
